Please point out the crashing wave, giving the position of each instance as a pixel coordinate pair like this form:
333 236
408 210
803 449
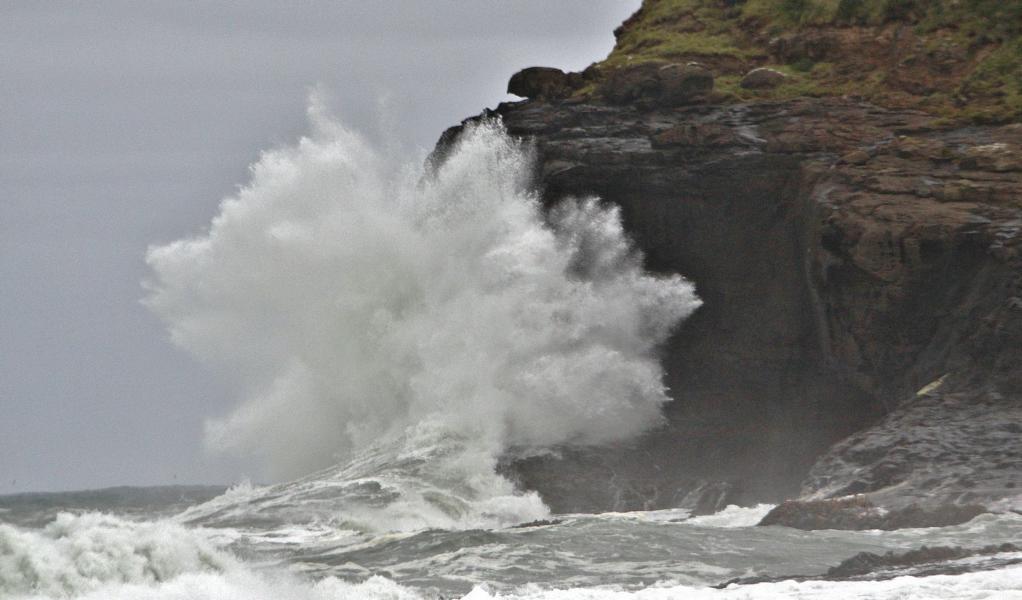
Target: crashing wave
75 554
370 312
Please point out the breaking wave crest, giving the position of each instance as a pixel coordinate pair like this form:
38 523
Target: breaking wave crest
77 554
425 479
360 305
630 556
101 557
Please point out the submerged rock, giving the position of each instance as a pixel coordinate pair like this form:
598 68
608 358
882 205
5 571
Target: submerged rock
867 562
924 562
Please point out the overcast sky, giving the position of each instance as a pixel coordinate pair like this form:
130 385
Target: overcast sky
124 123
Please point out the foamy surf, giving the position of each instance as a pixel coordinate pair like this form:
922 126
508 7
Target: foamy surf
592 557
998 585
76 554
404 485
734 516
394 332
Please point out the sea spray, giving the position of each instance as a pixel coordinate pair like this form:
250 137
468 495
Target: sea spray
367 308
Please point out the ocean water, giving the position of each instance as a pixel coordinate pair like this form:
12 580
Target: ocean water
392 331
640 555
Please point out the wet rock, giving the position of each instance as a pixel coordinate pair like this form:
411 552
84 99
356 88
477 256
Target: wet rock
849 256
924 562
858 513
542 82
762 79
707 498
946 446
865 563
538 523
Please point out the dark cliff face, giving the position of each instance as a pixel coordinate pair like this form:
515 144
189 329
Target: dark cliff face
848 256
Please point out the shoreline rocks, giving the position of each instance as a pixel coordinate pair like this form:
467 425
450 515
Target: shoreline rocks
923 562
858 513
861 269
865 563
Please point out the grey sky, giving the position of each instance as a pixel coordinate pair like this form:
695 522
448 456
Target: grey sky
124 123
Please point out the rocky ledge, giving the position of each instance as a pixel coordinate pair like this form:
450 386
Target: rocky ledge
861 269
858 513
924 562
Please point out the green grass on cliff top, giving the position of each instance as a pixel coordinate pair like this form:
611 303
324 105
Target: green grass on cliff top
983 36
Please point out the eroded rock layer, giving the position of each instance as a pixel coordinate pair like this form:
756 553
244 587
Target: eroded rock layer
862 276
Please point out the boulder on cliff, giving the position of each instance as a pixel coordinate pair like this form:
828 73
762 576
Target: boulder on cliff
633 83
542 82
762 79
658 85
682 84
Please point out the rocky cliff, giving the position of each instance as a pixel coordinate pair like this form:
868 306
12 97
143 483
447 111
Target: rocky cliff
860 260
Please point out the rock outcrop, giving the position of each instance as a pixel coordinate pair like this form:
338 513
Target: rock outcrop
848 256
543 82
762 78
654 84
861 268
868 563
926 561
858 513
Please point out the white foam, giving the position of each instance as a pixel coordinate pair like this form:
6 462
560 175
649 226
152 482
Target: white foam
1004 584
244 584
248 585
731 516
734 516
77 553
358 303
97 556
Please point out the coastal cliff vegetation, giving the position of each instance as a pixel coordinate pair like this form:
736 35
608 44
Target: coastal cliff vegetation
958 59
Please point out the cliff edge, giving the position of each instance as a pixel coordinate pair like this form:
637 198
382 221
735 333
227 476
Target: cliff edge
855 237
